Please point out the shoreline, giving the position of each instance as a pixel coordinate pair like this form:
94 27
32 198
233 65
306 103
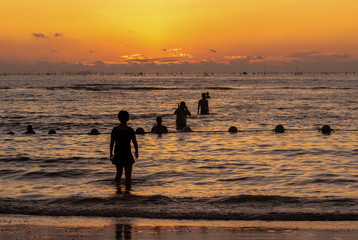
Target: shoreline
48 227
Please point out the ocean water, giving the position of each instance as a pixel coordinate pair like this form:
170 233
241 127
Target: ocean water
209 173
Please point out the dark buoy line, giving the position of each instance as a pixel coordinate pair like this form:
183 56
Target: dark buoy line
140 131
186 129
279 129
233 129
94 131
325 129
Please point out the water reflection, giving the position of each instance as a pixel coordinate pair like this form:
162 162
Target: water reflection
123 231
127 189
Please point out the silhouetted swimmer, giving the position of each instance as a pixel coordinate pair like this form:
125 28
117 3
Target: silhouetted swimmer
203 105
159 128
11 133
139 131
186 129
182 113
94 132
233 129
52 131
326 129
279 129
121 138
30 130
207 95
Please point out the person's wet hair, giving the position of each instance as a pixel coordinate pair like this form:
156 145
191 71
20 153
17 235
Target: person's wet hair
123 116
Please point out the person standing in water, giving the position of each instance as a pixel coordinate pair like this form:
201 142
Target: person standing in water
182 113
30 130
121 138
203 104
159 128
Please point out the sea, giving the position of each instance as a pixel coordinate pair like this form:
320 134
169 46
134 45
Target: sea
207 174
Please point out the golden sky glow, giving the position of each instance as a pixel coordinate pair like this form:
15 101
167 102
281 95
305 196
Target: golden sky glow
113 31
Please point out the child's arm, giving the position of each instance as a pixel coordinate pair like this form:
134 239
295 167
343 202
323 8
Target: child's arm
134 140
111 149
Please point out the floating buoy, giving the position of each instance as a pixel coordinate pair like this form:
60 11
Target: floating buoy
326 129
279 129
139 131
186 129
11 133
52 131
233 129
94 132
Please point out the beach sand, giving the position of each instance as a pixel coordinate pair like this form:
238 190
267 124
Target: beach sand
42 227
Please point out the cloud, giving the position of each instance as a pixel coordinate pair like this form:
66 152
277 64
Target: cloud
171 64
53 50
58 35
39 35
212 50
320 55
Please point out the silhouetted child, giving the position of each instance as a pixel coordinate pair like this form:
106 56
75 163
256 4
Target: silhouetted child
182 112
30 130
203 105
121 138
159 128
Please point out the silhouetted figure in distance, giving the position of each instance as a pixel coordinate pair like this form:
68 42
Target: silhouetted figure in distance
159 128
182 113
121 138
203 105
30 130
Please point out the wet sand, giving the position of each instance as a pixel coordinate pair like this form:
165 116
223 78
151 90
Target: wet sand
41 227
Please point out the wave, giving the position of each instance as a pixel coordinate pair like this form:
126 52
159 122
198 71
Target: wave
68 160
70 173
107 87
241 207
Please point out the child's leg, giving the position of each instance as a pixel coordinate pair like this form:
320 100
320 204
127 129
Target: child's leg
128 173
117 179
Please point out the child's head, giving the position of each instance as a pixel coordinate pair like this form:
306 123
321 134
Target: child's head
123 116
159 120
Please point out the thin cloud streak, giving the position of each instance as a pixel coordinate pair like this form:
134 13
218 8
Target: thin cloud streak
39 35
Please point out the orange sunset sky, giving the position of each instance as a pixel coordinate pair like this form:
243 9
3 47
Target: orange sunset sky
225 34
